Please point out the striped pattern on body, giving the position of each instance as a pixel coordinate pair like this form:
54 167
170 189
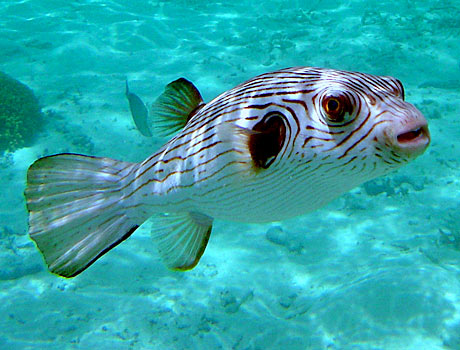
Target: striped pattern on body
276 146
206 162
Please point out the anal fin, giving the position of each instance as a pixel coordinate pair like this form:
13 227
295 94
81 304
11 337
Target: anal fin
181 238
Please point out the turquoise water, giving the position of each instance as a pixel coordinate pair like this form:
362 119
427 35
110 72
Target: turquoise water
377 268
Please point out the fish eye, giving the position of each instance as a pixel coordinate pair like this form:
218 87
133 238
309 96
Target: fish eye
336 107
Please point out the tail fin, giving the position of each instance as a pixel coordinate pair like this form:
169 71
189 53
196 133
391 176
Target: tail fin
76 211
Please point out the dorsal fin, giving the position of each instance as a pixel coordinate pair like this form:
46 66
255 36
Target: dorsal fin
174 107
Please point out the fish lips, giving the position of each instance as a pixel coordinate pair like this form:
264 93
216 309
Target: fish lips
411 139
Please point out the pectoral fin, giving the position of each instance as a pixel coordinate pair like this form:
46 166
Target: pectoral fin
181 238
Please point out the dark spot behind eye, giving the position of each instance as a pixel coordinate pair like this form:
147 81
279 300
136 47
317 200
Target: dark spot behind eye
268 140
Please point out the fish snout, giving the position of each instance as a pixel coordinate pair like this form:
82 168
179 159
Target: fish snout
411 138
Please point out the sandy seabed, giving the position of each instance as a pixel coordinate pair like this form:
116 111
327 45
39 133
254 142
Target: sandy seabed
376 269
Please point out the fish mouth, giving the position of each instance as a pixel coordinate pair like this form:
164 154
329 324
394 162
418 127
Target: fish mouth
412 135
413 140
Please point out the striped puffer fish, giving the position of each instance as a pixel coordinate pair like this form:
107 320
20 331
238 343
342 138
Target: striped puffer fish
277 146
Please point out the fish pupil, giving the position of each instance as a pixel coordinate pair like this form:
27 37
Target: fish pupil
332 105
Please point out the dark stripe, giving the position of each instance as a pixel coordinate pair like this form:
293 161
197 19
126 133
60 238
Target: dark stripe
105 250
361 138
178 172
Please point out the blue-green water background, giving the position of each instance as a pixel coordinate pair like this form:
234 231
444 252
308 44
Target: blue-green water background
376 269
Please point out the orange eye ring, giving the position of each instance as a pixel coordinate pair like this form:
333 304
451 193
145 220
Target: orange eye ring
336 107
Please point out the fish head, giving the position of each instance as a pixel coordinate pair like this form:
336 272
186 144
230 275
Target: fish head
361 122
320 132
404 134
